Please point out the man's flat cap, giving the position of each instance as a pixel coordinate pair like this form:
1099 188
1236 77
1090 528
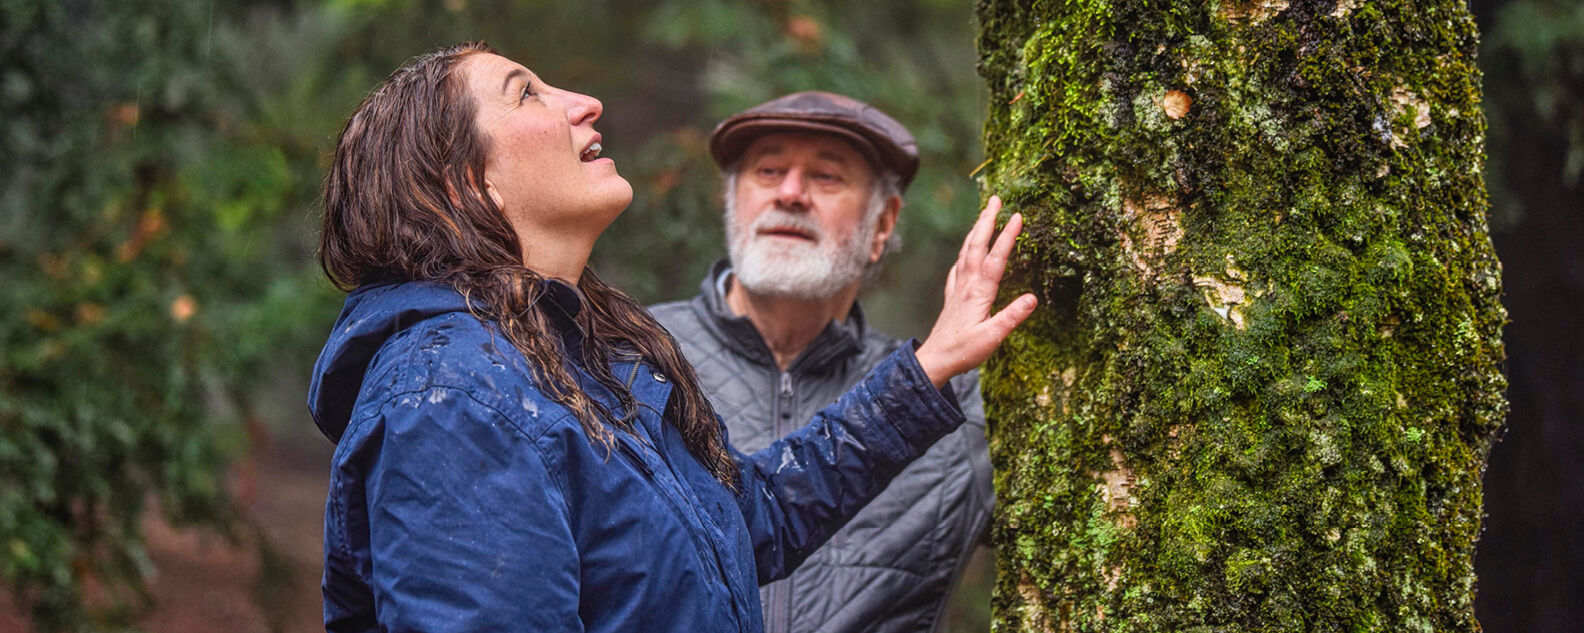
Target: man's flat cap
884 141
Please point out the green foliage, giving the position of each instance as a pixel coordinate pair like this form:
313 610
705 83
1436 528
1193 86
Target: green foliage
147 277
163 160
1546 40
1533 58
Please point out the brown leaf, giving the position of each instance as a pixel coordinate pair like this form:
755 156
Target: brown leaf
42 320
149 225
183 308
805 30
122 115
89 313
1176 103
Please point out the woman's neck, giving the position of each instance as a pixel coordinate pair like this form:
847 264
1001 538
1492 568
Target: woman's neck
555 257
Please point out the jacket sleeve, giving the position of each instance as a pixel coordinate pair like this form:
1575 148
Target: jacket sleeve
801 489
468 530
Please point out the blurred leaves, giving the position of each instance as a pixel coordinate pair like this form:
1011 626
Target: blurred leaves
143 220
163 158
1533 60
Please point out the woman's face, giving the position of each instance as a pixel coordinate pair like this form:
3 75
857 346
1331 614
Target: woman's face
543 168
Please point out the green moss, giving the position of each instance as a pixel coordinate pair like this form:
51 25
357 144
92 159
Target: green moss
1266 370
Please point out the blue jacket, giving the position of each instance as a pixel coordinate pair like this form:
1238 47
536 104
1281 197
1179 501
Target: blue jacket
463 499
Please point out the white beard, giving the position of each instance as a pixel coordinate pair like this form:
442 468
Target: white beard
795 269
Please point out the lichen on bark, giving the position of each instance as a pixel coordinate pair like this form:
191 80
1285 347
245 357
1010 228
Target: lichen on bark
1266 371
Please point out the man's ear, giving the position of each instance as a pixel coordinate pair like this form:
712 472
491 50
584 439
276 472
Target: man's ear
886 225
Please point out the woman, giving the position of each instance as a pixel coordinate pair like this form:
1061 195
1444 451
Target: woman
520 447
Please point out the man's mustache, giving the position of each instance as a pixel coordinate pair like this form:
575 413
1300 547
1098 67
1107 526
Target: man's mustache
777 220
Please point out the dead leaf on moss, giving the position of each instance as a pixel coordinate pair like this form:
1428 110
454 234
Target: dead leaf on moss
1176 103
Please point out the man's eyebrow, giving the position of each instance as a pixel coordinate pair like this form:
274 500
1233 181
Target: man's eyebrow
772 148
764 151
516 72
831 156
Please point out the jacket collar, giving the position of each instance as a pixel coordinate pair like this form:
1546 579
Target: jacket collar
376 312
562 304
839 340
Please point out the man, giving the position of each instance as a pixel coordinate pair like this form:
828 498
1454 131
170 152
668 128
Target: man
814 185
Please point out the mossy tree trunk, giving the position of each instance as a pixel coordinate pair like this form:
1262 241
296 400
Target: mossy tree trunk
1266 372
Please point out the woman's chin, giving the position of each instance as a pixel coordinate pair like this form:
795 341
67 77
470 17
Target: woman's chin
610 201
620 195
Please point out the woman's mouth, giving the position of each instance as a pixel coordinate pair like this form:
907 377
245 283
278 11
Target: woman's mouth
591 153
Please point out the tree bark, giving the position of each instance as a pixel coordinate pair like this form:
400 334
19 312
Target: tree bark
1266 371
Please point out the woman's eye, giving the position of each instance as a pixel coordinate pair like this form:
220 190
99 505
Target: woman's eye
527 92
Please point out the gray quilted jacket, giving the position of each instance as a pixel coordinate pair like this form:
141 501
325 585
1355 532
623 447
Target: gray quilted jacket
892 567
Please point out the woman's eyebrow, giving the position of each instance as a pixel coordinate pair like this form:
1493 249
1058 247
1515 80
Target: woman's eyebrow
516 72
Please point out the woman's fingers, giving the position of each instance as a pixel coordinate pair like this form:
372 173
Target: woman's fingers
979 237
1013 315
982 286
966 332
968 240
996 261
970 258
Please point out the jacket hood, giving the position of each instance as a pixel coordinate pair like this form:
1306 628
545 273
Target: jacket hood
371 315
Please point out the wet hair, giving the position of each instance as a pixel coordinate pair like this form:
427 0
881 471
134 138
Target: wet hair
405 201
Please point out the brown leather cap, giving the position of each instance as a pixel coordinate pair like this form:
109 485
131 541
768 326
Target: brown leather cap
884 141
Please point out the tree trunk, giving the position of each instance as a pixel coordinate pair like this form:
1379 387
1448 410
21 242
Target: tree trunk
1266 373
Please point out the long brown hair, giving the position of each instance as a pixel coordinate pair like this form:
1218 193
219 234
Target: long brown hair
404 202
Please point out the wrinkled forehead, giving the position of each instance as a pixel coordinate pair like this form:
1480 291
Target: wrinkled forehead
827 148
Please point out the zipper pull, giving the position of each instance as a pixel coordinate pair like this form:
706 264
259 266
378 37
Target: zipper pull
786 384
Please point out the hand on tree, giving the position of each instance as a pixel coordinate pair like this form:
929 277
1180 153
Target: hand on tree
966 333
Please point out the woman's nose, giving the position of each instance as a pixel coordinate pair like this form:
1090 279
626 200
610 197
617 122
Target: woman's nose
583 108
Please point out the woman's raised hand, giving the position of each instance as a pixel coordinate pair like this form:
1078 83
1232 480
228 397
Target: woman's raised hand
966 333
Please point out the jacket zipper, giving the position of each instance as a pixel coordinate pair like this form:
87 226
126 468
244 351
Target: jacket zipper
634 375
781 424
698 547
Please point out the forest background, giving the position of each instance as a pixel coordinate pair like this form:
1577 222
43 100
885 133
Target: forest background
160 307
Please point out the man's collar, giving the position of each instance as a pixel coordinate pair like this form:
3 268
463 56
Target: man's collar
837 342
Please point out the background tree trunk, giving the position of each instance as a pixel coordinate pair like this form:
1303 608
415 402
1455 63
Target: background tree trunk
1266 373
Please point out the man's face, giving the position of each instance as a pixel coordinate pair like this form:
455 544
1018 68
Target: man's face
803 218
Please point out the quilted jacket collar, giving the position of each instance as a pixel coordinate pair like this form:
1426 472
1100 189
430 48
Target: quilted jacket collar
838 342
